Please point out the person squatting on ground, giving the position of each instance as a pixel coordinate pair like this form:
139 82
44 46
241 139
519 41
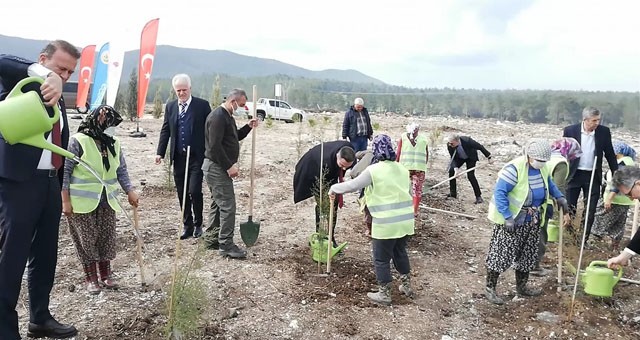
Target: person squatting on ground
611 213
30 200
337 157
357 125
222 149
464 150
387 192
627 181
413 153
518 204
89 206
184 126
563 151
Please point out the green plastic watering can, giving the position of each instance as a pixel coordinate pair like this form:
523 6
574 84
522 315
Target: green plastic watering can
599 280
24 119
319 246
553 230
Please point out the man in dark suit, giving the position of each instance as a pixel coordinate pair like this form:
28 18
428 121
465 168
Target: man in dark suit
337 156
184 125
464 150
30 198
595 140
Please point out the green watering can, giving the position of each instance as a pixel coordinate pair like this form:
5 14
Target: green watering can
319 246
553 230
24 119
599 280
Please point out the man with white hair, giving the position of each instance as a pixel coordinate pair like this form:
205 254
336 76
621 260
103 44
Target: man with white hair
595 141
357 125
184 120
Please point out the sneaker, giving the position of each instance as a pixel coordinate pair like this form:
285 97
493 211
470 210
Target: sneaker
233 252
93 287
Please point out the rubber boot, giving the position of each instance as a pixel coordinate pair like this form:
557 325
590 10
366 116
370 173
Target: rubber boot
91 278
405 286
490 290
106 276
521 285
383 295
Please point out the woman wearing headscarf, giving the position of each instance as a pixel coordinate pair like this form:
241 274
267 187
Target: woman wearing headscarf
563 151
413 153
387 192
611 213
89 205
518 204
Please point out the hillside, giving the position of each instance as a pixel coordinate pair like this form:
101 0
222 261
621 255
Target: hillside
171 60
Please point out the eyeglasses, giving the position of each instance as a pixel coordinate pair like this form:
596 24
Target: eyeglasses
628 194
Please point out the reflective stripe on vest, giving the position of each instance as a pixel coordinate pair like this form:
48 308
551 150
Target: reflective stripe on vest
85 190
414 157
519 194
620 199
389 201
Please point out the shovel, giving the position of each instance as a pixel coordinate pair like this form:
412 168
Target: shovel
249 230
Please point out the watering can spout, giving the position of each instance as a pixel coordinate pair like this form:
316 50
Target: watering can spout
24 119
319 247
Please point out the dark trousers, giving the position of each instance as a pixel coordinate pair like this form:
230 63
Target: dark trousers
471 175
580 182
335 218
387 250
359 143
29 222
194 188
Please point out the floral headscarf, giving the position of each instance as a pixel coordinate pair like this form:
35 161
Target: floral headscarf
383 149
92 127
568 147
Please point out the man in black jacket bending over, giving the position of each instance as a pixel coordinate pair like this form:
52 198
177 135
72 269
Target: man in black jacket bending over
464 150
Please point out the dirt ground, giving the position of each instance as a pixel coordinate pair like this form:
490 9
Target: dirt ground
276 294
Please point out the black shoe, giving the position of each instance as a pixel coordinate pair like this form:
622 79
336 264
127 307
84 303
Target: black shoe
233 252
453 197
479 200
51 329
186 233
197 232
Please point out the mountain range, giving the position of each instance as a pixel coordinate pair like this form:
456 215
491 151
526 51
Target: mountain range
170 60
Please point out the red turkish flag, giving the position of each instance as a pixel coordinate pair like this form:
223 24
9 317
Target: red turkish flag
147 53
87 59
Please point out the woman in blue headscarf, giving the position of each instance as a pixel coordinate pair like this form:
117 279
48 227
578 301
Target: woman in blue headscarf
388 196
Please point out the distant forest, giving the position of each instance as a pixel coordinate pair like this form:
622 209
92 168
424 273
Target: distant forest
619 109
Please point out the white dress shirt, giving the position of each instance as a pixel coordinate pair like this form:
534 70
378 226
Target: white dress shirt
588 146
37 70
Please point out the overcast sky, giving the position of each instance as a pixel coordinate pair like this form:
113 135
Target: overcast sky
539 44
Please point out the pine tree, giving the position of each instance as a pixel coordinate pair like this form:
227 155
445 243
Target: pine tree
132 96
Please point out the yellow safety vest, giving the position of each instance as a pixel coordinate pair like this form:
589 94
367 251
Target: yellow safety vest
85 190
518 195
414 157
389 201
620 199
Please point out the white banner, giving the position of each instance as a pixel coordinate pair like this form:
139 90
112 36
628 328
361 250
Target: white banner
114 71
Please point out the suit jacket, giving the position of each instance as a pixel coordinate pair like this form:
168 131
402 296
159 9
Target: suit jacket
18 162
603 145
470 147
199 110
308 169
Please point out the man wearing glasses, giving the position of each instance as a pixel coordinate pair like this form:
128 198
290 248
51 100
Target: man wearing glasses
627 180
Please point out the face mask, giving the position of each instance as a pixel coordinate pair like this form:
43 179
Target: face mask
110 131
536 164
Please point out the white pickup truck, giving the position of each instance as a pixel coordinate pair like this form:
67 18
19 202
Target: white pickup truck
277 109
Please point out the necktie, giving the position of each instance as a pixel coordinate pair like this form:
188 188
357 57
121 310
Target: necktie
183 109
340 180
56 137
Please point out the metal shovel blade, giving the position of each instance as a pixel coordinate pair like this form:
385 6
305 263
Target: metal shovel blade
249 232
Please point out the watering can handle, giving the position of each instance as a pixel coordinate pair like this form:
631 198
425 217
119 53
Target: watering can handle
17 90
604 263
